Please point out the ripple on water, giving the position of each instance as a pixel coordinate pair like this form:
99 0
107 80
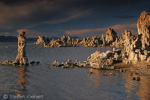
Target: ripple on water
66 84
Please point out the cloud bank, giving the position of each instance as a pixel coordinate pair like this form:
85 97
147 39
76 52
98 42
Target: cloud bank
50 16
119 28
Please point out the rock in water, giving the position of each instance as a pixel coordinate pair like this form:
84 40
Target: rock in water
21 58
56 63
7 62
101 60
40 41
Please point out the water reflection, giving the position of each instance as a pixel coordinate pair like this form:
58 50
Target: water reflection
95 77
130 85
22 81
133 89
144 88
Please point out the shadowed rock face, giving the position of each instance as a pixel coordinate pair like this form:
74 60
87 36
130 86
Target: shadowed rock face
111 36
21 57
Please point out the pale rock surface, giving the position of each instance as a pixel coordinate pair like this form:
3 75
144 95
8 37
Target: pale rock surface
111 36
102 60
143 26
40 41
21 57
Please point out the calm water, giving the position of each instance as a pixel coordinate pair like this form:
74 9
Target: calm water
52 83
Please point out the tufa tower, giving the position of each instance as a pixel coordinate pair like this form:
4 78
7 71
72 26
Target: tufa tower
21 58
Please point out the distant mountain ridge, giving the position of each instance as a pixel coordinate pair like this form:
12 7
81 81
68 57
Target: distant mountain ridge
15 39
8 39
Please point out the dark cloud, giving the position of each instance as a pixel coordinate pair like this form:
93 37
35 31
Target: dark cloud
16 2
124 17
23 14
19 14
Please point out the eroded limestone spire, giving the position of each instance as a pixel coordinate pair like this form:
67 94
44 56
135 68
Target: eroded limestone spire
21 57
143 26
111 36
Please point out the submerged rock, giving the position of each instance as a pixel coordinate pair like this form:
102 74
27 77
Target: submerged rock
82 64
34 63
69 64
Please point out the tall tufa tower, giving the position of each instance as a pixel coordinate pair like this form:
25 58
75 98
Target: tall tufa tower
21 58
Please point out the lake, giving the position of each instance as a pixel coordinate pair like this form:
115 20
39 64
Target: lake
45 82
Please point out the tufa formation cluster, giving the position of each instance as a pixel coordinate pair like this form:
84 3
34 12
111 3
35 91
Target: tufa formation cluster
136 50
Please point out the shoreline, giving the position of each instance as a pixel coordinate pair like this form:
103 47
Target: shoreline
135 70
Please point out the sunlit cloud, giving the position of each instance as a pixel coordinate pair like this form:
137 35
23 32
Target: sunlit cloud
119 28
6 34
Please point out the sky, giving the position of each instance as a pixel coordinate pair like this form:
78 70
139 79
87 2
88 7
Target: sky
81 18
